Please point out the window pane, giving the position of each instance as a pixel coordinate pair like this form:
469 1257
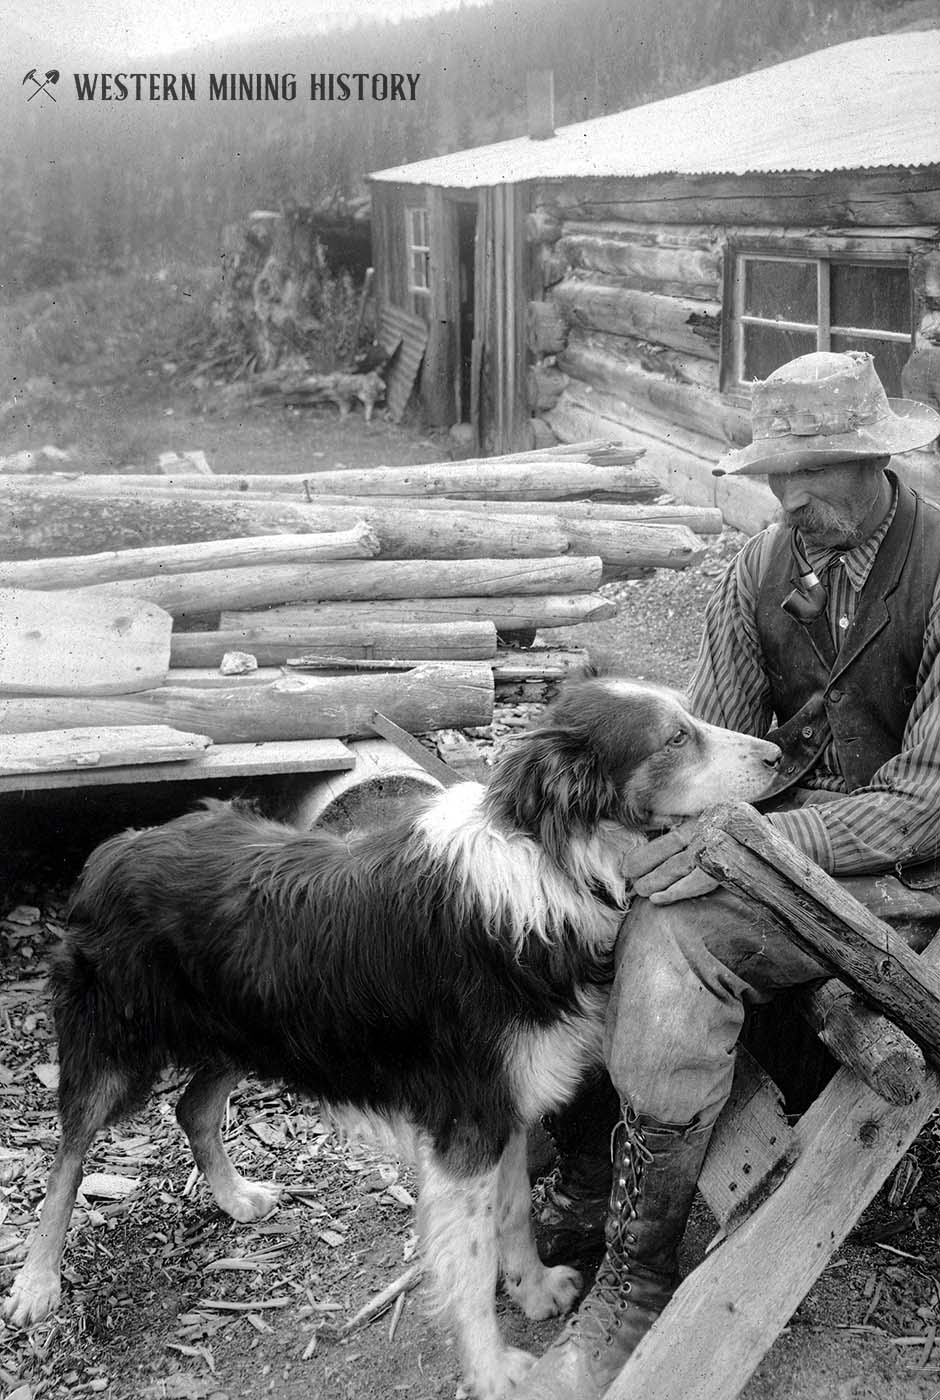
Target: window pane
879 297
419 270
766 348
419 226
890 357
780 290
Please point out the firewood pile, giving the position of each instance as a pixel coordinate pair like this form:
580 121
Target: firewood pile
158 626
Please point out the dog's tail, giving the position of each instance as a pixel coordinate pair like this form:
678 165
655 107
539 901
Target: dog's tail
108 1054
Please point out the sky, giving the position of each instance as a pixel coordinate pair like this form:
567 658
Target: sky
148 28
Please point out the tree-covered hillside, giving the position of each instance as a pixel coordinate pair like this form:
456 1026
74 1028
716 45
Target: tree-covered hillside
97 185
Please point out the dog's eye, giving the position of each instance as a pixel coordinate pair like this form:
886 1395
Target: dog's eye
680 737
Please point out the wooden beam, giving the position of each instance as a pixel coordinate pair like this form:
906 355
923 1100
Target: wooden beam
877 1050
221 761
729 1311
843 200
741 849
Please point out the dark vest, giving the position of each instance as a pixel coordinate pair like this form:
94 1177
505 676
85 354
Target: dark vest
862 696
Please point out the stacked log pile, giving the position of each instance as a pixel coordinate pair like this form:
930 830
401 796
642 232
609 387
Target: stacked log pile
283 609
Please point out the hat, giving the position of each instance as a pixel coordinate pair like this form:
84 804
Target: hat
822 409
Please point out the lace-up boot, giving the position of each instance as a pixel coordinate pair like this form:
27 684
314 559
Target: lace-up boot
572 1212
656 1167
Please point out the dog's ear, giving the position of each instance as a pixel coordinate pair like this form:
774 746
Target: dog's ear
552 785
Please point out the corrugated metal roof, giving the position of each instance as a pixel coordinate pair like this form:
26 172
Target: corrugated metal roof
866 104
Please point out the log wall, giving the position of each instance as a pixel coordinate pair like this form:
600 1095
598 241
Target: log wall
627 280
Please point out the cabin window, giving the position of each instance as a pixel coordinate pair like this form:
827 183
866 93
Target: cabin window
789 306
419 255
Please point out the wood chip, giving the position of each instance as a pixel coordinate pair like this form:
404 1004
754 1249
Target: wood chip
107 1186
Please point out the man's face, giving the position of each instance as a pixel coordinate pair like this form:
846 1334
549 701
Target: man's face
832 505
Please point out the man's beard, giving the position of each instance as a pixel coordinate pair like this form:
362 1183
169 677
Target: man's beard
823 524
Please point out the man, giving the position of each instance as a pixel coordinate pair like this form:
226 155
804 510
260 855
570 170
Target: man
828 623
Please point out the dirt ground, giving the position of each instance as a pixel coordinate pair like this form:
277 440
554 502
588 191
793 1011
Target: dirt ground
165 1297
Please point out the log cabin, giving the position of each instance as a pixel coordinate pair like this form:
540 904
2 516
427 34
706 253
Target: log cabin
630 276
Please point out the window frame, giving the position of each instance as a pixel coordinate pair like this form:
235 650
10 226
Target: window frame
824 255
413 245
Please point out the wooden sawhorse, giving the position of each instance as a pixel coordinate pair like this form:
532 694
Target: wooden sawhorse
785 1196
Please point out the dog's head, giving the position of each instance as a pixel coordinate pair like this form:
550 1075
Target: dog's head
617 750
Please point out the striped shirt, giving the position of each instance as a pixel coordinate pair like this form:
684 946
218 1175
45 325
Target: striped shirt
896 817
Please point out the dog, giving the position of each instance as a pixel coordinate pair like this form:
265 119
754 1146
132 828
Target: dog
344 389
444 978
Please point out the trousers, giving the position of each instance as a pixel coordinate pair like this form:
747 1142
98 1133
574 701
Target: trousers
685 974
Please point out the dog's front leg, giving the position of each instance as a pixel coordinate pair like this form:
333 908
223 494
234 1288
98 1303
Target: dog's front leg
200 1113
539 1291
457 1225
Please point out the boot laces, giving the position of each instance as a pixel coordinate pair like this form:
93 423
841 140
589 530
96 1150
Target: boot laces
608 1299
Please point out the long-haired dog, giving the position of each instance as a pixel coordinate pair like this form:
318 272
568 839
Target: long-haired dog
446 977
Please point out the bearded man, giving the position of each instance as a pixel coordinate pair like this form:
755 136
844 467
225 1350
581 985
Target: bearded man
823 636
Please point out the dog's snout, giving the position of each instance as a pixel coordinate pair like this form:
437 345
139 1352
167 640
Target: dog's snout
770 754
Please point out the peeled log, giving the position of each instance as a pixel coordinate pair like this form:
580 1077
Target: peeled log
704 520
74 645
49 517
692 272
546 327
435 695
544 384
82 570
555 480
272 644
679 322
217 589
683 404
68 517
508 614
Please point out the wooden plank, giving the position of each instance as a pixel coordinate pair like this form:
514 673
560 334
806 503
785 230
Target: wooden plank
73 644
87 748
433 695
728 1312
268 585
220 761
742 850
751 1148
408 745
510 613
82 570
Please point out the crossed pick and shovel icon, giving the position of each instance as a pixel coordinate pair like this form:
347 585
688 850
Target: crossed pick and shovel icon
51 78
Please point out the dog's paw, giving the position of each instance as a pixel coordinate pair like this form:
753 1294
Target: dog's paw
500 1377
547 1292
32 1298
247 1201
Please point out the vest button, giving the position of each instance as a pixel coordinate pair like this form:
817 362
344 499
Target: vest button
835 696
807 731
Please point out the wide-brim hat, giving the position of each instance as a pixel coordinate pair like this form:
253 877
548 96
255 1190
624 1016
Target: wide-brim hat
826 408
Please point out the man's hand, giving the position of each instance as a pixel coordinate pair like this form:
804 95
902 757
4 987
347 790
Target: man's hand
664 872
